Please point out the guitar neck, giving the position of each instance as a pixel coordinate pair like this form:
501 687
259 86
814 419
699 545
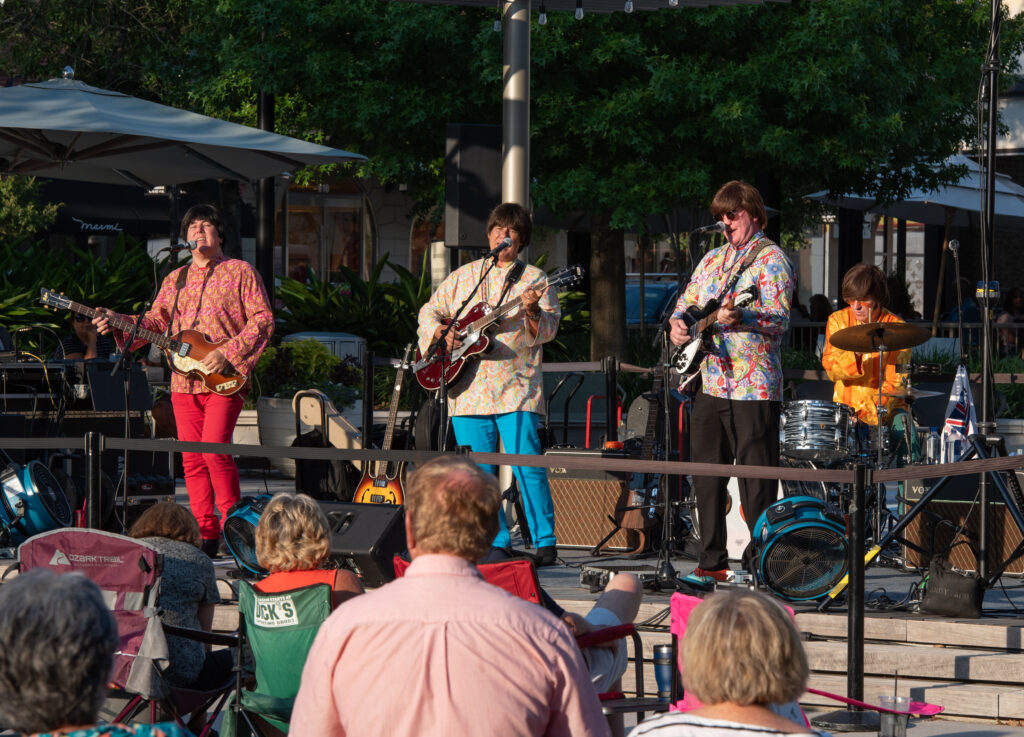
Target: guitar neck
389 433
396 395
647 450
125 325
506 308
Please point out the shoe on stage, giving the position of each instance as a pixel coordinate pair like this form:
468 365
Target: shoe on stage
546 556
706 580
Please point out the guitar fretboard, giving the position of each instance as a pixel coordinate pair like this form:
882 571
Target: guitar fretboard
125 325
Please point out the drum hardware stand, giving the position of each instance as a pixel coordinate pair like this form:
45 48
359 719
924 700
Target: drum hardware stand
1009 490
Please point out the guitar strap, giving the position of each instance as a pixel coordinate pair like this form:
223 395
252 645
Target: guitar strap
179 284
747 261
511 278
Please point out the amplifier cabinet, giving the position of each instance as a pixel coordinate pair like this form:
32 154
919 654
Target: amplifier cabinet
585 499
953 519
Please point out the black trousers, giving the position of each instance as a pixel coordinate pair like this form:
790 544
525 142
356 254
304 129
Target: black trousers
727 431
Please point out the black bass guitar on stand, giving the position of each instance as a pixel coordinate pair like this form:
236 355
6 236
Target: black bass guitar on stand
686 359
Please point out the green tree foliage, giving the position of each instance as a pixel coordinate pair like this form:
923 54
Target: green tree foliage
632 115
20 211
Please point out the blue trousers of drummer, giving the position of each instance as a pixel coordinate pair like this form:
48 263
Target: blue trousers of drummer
518 432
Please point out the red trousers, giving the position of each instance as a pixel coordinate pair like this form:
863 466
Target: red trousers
211 478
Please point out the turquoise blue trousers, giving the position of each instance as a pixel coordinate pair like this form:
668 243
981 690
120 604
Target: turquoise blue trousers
518 432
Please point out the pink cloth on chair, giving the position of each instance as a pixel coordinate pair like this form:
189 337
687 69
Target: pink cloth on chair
680 608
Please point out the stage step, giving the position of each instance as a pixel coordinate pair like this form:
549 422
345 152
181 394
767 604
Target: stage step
921 661
971 700
1003 633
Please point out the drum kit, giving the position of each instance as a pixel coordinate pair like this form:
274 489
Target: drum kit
800 541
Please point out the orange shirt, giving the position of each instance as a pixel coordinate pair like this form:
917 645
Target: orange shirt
856 376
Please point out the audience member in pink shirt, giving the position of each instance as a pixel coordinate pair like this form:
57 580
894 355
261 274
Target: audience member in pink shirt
441 651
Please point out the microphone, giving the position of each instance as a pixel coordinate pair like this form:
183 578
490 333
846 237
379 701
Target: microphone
718 227
186 246
499 248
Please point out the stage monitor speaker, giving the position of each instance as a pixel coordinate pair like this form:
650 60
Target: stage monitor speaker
366 537
950 522
584 500
472 182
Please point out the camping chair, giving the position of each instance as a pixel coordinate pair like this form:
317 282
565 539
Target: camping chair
519 578
279 629
128 573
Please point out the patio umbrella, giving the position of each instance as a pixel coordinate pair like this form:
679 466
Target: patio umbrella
951 205
65 129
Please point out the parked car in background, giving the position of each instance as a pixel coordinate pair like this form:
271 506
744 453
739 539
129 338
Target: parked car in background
658 301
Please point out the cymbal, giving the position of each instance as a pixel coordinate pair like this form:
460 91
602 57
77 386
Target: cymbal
912 393
871 336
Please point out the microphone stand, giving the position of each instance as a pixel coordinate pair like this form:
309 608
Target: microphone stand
440 349
124 366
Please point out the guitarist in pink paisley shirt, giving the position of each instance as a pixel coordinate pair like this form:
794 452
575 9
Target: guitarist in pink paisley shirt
735 415
501 392
226 301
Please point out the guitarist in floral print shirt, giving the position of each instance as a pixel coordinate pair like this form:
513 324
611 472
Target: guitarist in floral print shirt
225 300
735 415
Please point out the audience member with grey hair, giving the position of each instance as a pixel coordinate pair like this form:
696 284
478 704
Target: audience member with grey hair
57 642
743 659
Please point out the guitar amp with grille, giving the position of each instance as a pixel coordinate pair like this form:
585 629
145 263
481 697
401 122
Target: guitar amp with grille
950 522
584 500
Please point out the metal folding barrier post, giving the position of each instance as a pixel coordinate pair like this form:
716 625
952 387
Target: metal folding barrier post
853 719
93 454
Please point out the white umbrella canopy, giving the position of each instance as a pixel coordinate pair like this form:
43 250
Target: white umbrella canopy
65 129
957 201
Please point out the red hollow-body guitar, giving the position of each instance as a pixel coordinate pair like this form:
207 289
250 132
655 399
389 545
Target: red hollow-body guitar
382 481
184 351
471 330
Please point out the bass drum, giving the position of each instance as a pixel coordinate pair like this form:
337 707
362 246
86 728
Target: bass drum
816 430
800 548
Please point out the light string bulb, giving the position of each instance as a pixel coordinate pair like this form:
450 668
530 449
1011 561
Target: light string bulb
673 3
542 18
497 21
629 6
579 9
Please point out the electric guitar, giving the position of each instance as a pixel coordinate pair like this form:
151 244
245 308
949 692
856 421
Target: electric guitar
686 358
184 351
471 330
382 481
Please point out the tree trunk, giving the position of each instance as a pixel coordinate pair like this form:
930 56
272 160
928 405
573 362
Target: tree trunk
607 291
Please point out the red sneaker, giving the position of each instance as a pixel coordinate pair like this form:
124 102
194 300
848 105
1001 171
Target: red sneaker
720 576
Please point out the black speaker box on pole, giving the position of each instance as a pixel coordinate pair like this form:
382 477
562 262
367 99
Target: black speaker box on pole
366 537
472 182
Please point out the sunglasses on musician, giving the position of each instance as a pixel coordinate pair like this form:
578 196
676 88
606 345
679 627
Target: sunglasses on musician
82 318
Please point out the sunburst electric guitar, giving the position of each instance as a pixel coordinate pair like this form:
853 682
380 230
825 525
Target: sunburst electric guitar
471 329
382 481
184 351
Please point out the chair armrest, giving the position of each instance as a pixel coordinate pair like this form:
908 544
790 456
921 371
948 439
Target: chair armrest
605 635
208 638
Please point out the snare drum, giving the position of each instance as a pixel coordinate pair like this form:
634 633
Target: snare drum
816 430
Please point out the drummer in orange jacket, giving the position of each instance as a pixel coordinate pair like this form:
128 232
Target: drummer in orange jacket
856 374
